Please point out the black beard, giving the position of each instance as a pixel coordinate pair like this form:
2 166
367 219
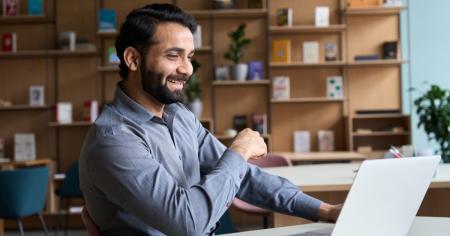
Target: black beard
152 84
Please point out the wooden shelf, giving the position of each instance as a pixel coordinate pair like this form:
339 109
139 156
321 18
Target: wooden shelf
25 19
385 62
323 156
241 83
47 53
379 116
373 11
380 133
23 108
73 124
239 13
226 137
109 68
308 100
203 49
306 29
107 34
200 14
301 64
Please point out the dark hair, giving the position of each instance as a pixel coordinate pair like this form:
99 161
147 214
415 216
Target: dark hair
140 25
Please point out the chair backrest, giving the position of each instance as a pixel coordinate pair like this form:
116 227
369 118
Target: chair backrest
90 225
23 191
271 160
71 184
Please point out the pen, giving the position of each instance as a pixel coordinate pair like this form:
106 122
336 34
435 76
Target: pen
395 152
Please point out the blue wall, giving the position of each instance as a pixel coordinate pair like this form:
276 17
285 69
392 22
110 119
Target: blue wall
426 44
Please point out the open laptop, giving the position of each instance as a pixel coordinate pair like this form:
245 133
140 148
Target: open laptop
384 198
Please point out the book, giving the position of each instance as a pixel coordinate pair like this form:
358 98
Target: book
390 50
113 59
24 146
331 51
106 20
64 112
36 95
35 7
2 148
222 72
90 111
9 42
369 57
325 140
310 52
302 141
281 50
67 40
198 37
255 70
281 88
335 86
239 122
11 7
259 122
322 16
284 17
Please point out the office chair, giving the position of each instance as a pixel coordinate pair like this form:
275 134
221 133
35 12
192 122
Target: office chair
23 194
90 225
270 160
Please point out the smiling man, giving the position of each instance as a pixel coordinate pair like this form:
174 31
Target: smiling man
148 167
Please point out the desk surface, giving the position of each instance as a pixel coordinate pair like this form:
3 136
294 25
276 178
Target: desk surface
338 177
436 226
323 156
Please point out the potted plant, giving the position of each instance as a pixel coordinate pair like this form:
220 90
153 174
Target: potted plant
236 52
194 92
433 109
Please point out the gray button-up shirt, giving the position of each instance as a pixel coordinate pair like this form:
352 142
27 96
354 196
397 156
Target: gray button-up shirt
143 175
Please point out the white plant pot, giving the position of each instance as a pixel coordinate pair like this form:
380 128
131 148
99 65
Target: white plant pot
196 107
240 72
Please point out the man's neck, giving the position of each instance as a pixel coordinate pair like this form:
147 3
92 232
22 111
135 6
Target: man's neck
144 99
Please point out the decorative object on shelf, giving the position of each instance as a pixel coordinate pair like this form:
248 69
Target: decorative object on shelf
2 148
392 3
363 131
83 44
302 141
198 37
24 146
281 88
390 50
64 112
222 72
362 3
236 52
67 40
335 86
325 140
5 103
331 51
193 92
113 59
364 149
230 132
255 4
322 16
9 42
11 7
310 52
255 70
284 17
281 50
35 7
259 122
90 110
36 95
106 21
223 4
239 122
433 110
367 57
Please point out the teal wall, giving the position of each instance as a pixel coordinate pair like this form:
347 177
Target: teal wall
425 29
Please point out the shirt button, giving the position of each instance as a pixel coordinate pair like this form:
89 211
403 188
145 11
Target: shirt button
241 176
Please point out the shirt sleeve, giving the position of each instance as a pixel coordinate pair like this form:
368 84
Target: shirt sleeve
258 187
127 173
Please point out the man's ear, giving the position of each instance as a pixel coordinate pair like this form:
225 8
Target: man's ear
132 58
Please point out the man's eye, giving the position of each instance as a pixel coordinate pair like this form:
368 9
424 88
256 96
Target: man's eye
172 56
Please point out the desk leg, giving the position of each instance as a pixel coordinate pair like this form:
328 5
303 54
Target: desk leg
2 228
51 198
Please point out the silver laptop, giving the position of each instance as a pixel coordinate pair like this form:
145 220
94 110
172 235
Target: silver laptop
384 198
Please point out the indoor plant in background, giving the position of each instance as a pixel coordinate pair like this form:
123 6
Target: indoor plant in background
236 52
433 109
194 92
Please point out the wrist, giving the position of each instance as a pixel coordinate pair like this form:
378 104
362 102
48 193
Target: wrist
324 212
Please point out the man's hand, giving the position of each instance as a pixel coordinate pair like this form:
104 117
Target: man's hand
249 144
329 213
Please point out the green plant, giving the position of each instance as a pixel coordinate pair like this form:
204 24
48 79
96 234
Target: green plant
238 42
193 90
433 109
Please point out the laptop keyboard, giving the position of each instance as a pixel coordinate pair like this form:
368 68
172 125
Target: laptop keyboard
320 232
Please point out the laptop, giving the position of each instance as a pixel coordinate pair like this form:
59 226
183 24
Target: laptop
384 198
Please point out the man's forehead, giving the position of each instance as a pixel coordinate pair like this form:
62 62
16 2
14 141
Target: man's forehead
170 33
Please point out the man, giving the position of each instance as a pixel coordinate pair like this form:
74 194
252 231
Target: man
148 167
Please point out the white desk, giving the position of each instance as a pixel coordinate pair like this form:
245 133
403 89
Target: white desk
331 182
422 226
